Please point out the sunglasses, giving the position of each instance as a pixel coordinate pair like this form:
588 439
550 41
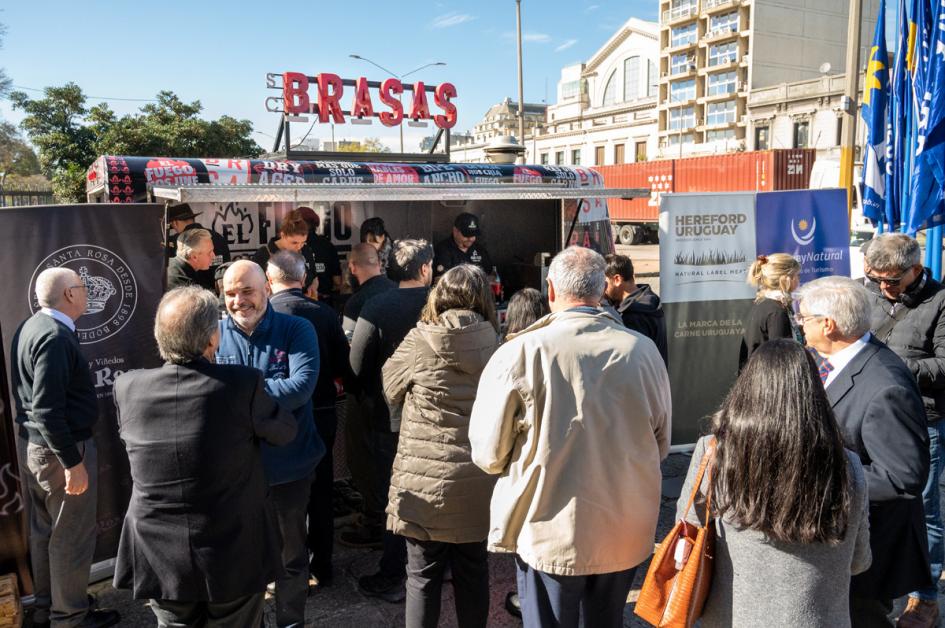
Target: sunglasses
892 282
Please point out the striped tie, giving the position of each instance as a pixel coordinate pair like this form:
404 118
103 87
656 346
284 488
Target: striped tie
823 365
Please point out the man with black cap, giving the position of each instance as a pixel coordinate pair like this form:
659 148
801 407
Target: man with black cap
180 218
461 247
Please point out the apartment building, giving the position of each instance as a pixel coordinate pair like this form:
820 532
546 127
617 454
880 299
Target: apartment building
714 53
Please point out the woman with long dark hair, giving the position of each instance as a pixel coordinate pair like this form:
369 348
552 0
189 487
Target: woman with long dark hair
439 498
789 501
525 307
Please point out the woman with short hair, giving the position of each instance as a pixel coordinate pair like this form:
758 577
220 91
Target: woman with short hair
439 499
789 502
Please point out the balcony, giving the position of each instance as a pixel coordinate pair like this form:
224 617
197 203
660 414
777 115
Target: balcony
672 49
680 14
719 34
714 6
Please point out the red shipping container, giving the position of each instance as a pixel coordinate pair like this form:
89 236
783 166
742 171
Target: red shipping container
761 171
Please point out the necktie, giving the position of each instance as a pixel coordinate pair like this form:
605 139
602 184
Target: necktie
823 365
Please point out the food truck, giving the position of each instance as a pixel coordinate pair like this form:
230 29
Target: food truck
526 212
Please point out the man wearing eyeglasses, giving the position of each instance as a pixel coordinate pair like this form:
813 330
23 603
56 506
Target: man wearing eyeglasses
56 408
907 314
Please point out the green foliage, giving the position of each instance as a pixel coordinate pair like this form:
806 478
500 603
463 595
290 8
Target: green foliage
17 158
70 136
369 145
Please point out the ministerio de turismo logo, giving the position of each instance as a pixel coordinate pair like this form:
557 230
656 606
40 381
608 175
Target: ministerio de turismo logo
110 284
803 231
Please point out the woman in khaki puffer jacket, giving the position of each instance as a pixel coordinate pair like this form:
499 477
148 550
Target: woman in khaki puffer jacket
439 499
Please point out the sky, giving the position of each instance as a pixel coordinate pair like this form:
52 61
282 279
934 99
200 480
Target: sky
219 53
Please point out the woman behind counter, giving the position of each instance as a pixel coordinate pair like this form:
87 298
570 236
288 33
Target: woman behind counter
789 502
775 276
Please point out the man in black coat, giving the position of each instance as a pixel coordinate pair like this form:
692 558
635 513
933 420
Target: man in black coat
909 316
638 306
881 418
194 256
182 218
56 410
286 274
198 539
364 264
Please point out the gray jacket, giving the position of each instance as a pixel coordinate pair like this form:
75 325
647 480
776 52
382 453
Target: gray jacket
914 328
758 582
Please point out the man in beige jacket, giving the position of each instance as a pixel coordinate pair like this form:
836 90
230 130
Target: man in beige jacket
574 413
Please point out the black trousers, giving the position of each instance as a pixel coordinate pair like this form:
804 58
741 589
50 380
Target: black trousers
359 453
427 562
869 612
244 611
321 521
394 551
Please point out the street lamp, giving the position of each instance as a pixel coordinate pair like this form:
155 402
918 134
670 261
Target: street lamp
401 77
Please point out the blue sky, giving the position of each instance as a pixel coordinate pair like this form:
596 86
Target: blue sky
219 52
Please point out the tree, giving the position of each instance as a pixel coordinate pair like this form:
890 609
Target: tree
369 145
69 136
17 158
5 80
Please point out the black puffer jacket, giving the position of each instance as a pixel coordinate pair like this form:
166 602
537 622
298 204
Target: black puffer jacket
918 336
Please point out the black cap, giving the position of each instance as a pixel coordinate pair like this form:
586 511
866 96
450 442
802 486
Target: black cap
180 212
467 224
221 270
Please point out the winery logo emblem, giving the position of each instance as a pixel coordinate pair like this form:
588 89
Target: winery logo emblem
111 289
806 234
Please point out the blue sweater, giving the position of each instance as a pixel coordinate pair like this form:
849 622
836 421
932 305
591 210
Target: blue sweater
285 350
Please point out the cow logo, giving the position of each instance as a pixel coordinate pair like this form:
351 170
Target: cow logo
803 231
111 288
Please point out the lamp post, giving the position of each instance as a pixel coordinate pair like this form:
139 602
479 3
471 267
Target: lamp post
521 98
401 77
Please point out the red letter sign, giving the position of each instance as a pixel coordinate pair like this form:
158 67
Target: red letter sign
388 87
442 95
362 106
420 109
328 102
294 86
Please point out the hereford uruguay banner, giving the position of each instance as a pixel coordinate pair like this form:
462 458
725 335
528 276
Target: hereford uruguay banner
707 243
118 252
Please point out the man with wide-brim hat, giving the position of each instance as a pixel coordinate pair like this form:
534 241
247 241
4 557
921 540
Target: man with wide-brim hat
181 218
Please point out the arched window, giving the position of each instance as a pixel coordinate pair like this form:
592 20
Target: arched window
610 91
631 78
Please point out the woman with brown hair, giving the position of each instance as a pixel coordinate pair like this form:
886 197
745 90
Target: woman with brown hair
775 276
293 236
439 499
789 502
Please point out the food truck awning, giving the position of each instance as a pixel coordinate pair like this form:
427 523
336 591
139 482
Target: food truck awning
297 193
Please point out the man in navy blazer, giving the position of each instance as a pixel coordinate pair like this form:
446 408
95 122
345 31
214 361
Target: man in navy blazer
198 539
882 419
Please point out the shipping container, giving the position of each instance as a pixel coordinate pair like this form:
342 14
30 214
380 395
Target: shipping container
761 171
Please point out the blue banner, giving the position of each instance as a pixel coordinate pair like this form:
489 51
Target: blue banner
811 225
875 98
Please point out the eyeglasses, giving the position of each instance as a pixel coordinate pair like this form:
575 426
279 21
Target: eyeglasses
800 319
81 285
892 282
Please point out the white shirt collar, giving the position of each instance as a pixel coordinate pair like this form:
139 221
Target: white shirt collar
59 316
840 359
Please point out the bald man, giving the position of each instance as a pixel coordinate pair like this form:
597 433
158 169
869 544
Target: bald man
56 409
364 264
285 350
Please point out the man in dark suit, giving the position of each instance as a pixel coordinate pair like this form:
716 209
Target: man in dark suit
882 419
56 409
286 274
198 538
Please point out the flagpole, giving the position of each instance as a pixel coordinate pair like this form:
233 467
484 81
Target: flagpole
848 132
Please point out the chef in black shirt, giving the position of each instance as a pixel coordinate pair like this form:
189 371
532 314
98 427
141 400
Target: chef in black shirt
461 247
327 262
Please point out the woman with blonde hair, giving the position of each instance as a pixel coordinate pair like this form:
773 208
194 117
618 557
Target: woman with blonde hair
439 499
775 277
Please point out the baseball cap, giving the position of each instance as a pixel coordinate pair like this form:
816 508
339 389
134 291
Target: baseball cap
468 224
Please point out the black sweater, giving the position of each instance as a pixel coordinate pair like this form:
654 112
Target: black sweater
55 399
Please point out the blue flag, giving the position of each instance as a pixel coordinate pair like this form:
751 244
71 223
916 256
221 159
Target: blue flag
926 204
875 99
896 125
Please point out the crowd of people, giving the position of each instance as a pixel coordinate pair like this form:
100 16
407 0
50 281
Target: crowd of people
541 437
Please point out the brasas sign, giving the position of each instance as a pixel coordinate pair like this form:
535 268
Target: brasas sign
325 95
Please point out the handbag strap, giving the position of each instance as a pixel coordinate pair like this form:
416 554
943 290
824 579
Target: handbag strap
705 465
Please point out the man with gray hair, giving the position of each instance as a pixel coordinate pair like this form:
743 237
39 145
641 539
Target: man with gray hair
574 415
908 314
882 419
192 430
56 410
286 273
194 254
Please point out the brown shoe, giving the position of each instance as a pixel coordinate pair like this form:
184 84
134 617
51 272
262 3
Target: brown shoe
919 614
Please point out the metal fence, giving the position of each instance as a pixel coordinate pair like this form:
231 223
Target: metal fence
17 198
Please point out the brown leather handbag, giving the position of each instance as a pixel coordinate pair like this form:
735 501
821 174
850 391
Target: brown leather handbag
680 573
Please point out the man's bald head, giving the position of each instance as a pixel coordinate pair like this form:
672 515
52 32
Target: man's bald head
62 289
364 262
246 292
